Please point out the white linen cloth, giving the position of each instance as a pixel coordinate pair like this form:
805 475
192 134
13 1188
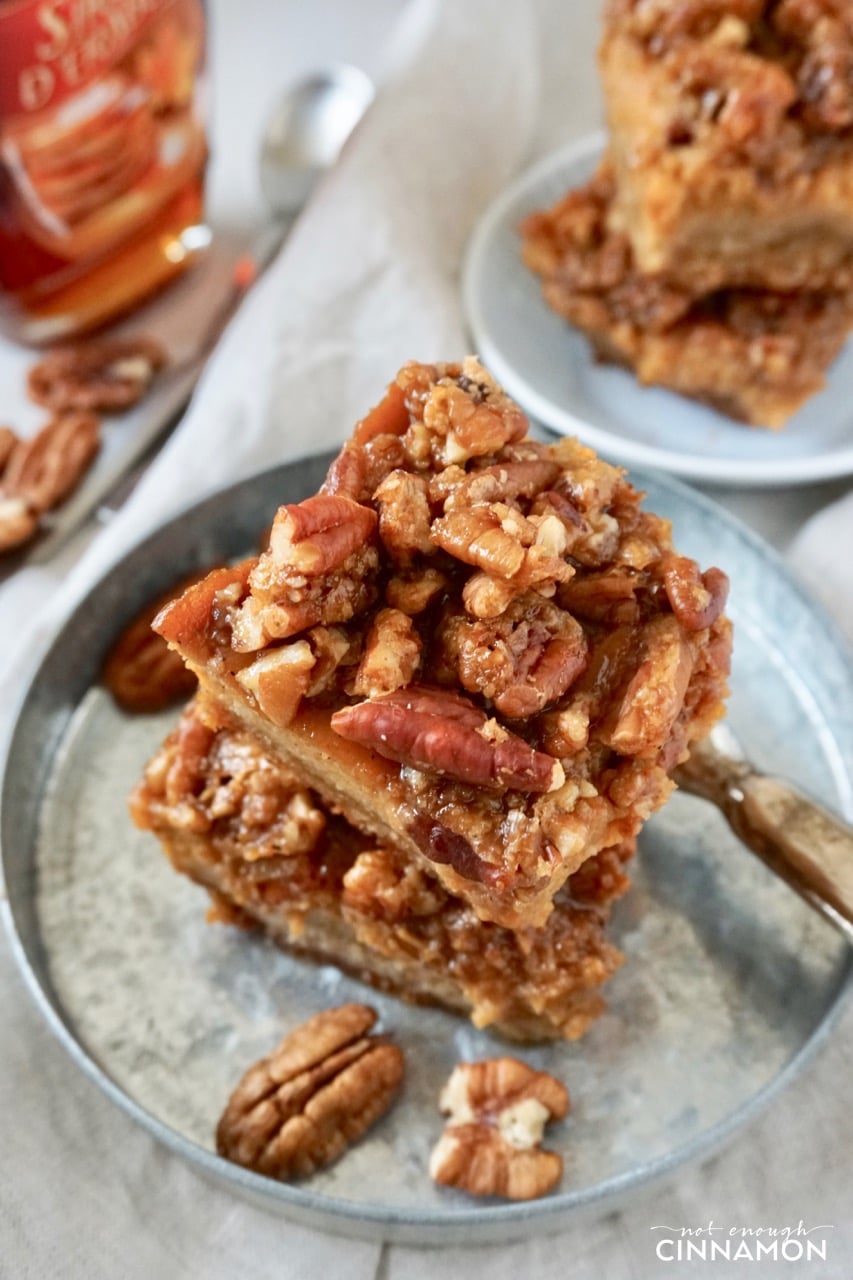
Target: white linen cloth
367 280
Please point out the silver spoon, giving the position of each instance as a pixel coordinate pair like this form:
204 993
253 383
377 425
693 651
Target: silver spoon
809 847
303 138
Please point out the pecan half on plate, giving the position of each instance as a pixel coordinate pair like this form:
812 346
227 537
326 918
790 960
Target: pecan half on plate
141 672
498 1110
323 1087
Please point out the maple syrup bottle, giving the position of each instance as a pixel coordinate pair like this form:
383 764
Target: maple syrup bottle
102 158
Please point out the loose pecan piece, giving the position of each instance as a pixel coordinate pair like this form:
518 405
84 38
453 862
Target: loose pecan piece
498 1110
141 672
45 469
103 375
8 441
697 599
392 654
299 1109
437 730
18 522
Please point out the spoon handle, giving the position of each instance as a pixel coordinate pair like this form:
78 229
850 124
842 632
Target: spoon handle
800 840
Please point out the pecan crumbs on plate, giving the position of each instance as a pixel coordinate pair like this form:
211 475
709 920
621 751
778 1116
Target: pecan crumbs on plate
491 1145
476 647
316 1094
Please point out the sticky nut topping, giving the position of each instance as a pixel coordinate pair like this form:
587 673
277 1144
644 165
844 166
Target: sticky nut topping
322 1088
497 1111
444 551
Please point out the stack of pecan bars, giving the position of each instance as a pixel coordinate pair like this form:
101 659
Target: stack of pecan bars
436 710
712 252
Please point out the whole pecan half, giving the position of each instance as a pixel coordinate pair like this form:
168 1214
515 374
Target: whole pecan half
318 534
435 729
45 469
141 672
299 1109
105 375
498 1110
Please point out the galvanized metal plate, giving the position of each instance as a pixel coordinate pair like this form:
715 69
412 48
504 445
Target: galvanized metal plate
730 980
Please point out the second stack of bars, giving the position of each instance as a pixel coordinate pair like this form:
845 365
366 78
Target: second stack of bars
712 251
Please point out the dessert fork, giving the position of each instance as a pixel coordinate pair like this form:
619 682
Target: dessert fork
802 842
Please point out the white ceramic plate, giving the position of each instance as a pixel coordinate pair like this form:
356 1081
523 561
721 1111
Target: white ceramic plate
549 368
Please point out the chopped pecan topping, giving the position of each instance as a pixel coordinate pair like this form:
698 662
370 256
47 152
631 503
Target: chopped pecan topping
458 416
317 569
823 30
438 730
279 679
404 516
663 22
299 1109
491 1145
697 599
392 654
413 593
18 522
381 885
359 469
103 375
45 469
319 534
517 550
522 660
652 702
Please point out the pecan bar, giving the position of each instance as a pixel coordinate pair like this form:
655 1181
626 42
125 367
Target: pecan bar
753 354
731 126
271 854
478 648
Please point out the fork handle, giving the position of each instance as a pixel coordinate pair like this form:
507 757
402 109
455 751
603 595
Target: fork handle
802 842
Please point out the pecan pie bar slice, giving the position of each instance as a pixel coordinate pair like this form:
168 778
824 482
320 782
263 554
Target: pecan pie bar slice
731 125
753 354
272 855
476 647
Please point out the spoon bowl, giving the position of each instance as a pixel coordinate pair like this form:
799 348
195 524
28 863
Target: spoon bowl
306 132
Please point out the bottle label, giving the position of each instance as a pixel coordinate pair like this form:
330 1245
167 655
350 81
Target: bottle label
100 121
